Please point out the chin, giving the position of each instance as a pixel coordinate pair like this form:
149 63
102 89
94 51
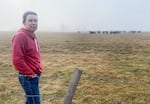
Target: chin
33 30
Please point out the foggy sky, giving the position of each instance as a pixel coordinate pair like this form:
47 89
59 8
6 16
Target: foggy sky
78 15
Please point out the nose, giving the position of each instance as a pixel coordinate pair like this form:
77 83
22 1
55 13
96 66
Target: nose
34 22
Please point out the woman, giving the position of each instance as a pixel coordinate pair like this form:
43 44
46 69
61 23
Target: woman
26 57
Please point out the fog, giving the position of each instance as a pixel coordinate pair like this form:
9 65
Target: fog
77 15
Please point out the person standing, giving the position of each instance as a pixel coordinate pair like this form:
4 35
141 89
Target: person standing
26 58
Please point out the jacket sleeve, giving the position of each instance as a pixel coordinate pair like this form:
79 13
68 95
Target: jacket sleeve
18 55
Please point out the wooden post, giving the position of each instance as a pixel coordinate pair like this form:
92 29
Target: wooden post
72 86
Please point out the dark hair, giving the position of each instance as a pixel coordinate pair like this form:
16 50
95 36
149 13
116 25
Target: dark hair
26 14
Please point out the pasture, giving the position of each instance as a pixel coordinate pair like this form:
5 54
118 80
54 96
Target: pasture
116 68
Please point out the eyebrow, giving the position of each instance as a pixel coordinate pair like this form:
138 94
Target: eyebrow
32 19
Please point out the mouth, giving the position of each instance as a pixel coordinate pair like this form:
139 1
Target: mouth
33 27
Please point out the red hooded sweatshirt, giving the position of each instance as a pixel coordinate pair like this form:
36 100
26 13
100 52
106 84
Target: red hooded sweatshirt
26 53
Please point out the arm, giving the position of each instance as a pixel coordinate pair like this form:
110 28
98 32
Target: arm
18 55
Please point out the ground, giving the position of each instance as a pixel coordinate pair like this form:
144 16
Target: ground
116 68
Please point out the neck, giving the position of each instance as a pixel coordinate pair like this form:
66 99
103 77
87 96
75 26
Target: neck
29 30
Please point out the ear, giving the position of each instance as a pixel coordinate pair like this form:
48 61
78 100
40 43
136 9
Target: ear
24 23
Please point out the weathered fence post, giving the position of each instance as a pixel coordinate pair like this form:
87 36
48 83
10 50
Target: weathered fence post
72 86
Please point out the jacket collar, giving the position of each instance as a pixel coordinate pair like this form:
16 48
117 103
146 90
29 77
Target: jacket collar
27 32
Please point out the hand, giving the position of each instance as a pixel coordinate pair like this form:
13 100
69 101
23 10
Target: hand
32 76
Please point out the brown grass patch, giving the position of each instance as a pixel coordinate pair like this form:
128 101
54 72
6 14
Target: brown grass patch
115 68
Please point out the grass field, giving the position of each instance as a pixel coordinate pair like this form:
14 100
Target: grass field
116 68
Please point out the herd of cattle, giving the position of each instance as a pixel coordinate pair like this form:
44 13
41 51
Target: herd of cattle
112 32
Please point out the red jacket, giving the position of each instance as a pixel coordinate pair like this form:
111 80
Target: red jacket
26 53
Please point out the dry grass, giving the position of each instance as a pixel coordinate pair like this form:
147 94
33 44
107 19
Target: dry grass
116 68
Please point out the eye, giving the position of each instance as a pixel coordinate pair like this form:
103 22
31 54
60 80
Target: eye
32 20
35 20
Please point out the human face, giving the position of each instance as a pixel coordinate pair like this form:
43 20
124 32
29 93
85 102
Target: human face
31 22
